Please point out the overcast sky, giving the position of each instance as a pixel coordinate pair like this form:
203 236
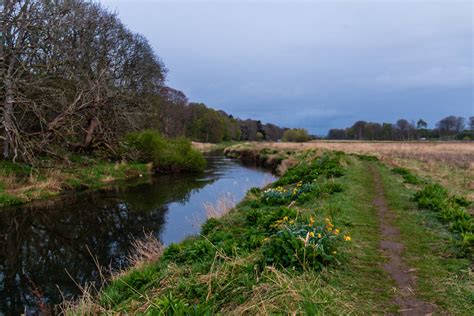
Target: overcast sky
318 64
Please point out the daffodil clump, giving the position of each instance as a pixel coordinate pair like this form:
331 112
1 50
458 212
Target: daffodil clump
281 195
303 244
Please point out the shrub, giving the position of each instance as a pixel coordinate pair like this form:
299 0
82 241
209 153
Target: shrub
165 154
302 245
296 135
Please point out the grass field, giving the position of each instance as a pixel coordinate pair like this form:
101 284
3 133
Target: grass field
450 163
337 234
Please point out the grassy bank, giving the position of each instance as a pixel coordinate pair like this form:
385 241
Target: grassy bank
307 244
449 163
211 147
20 183
140 155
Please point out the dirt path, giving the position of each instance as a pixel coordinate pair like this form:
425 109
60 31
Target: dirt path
392 249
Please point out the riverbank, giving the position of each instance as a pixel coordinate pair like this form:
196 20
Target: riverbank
21 183
142 154
310 243
81 228
449 163
213 147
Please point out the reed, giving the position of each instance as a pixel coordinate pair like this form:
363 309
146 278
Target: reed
145 250
221 207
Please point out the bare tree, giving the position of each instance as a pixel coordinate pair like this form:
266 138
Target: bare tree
73 77
450 125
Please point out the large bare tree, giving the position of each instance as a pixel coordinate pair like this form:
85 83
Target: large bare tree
73 77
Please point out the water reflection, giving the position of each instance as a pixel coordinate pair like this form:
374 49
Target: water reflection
39 243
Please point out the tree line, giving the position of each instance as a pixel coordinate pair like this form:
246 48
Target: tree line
448 128
74 78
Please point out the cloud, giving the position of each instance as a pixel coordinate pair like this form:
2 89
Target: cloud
432 77
314 64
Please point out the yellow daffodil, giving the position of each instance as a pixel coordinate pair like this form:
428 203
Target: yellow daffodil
347 238
336 231
319 235
311 234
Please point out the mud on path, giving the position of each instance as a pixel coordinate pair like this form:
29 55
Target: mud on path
392 249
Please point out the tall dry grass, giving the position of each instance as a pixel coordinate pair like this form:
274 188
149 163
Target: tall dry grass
456 154
222 206
451 163
285 293
145 250
203 147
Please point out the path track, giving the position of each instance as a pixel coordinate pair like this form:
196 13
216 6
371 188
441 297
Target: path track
392 249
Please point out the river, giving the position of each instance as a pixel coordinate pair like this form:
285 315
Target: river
49 247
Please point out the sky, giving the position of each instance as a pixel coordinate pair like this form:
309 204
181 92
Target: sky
314 64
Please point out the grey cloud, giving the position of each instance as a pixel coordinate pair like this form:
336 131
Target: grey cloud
315 64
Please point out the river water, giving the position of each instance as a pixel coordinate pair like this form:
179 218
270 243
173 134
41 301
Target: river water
48 248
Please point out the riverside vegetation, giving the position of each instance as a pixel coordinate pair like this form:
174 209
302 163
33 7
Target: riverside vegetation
309 244
139 155
69 122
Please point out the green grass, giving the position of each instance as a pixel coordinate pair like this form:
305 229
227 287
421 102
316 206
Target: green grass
226 268
444 278
361 277
93 176
21 183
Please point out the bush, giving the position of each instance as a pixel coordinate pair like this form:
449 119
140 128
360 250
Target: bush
296 135
302 245
165 154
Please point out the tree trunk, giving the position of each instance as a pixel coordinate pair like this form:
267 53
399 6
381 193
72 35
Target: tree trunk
90 131
8 119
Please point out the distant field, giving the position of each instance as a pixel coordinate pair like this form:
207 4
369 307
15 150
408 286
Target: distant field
451 163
